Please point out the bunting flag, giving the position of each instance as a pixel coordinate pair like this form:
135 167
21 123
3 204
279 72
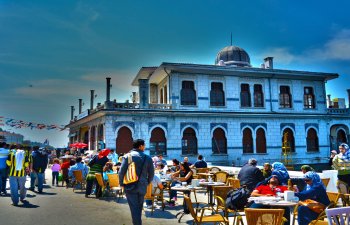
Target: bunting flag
22 124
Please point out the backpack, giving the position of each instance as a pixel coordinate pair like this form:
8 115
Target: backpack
41 161
237 198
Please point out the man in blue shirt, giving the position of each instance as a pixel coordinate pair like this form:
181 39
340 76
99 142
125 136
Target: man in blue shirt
161 160
78 166
200 163
3 167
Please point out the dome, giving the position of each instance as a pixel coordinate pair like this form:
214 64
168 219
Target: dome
233 55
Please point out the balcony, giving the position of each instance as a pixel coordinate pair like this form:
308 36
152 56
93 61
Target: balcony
338 111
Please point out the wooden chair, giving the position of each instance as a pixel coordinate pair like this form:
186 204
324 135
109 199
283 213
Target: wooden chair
325 181
100 182
264 216
214 169
233 182
334 197
320 220
343 188
338 216
157 194
79 179
114 186
220 194
221 176
194 173
215 218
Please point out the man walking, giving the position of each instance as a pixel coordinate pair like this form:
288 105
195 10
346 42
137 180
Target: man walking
39 164
18 162
3 167
136 191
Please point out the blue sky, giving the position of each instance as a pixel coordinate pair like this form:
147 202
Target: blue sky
53 52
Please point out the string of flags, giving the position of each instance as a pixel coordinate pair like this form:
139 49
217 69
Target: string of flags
23 124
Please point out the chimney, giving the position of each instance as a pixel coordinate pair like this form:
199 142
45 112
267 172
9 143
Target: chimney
268 61
134 97
143 93
108 89
348 90
72 112
80 105
92 99
329 101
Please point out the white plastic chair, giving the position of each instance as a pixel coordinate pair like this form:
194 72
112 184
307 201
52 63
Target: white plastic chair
338 216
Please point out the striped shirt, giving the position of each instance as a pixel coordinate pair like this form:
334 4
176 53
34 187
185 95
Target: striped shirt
11 162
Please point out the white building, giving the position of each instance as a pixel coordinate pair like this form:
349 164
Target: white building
228 112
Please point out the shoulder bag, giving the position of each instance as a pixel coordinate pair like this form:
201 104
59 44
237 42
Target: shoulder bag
315 206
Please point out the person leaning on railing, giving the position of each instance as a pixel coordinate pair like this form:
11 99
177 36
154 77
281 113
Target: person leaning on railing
341 162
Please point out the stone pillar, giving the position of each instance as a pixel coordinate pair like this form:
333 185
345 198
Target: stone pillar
143 93
72 112
348 91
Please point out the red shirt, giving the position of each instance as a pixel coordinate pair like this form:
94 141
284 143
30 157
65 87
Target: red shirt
65 165
267 190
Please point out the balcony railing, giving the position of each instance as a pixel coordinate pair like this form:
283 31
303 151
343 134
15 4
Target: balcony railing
338 111
159 106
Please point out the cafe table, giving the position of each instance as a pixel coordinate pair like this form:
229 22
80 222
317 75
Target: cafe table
275 202
185 189
210 186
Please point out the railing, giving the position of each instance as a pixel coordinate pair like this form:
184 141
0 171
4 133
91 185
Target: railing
159 106
126 105
338 111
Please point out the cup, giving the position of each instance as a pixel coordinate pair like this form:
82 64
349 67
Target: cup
184 184
288 195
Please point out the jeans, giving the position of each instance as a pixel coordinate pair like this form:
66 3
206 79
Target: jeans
305 215
16 182
33 176
135 201
55 177
3 177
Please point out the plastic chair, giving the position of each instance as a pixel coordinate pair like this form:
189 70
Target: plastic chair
233 182
221 176
264 216
150 195
113 181
78 175
338 216
215 218
214 169
100 182
220 194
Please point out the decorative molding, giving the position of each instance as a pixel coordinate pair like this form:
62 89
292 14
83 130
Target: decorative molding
203 98
298 101
321 102
282 125
212 125
152 124
253 125
232 99
307 125
125 123
184 124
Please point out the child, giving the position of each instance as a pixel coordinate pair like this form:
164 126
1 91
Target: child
55 170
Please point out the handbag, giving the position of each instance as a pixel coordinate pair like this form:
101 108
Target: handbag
130 175
315 206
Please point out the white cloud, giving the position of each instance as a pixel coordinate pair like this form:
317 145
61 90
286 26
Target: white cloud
282 55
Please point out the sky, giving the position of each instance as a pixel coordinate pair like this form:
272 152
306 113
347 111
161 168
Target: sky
54 52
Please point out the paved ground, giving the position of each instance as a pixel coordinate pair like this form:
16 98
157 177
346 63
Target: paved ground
60 206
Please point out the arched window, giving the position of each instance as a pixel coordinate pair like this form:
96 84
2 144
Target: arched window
288 143
312 140
260 141
285 97
219 142
309 98
247 141
188 94
245 95
217 95
341 137
189 142
124 140
157 142
258 96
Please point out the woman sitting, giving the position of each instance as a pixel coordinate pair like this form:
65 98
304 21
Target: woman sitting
183 175
266 171
107 169
315 190
281 172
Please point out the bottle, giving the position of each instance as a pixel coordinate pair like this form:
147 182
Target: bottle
290 185
210 180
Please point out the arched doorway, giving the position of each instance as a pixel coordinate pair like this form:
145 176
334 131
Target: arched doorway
157 142
338 134
247 141
189 142
124 140
290 142
219 142
260 141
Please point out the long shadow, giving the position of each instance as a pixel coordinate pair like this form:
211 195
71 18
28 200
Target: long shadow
30 196
46 193
28 205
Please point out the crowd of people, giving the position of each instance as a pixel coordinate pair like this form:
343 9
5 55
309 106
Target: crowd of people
17 162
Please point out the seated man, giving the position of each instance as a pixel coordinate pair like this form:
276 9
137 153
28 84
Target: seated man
272 188
156 182
200 163
78 166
